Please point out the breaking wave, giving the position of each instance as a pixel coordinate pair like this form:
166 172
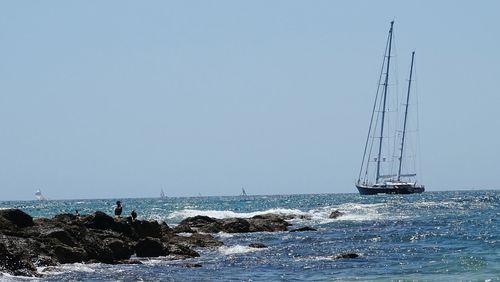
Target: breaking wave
238 249
321 215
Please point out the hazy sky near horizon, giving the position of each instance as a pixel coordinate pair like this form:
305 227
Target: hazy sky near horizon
114 99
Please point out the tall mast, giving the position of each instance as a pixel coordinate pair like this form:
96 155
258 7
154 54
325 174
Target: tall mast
406 115
386 82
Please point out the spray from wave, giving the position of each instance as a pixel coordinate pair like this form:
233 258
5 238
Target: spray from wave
350 212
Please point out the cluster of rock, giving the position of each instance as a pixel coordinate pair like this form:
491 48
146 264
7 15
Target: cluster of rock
258 223
27 243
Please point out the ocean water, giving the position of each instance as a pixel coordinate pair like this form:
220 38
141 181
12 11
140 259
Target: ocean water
432 236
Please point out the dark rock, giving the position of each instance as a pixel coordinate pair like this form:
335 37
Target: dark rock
15 264
181 250
165 229
235 225
257 245
183 228
260 223
346 256
66 217
198 221
196 240
99 220
269 223
202 223
149 247
119 249
335 214
17 217
192 265
143 228
211 228
44 260
60 235
305 228
95 238
66 254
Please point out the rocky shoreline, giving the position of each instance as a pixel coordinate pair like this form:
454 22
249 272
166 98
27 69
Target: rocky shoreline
27 243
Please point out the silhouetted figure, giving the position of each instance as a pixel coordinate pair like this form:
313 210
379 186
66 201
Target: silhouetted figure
118 209
134 215
77 213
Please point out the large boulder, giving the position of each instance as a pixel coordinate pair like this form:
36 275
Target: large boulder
259 223
102 221
119 249
336 213
149 247
60 235
268 223
201 223
66 254
195 240
17 217
235 225
99 220
15 264
144 228
180 251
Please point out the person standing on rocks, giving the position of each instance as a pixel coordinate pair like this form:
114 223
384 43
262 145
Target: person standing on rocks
118 209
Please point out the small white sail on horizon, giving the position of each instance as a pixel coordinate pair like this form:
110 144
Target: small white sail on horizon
243 192
39 196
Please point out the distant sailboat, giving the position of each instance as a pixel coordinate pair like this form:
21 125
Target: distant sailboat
162 194
243 192
39 196
384 161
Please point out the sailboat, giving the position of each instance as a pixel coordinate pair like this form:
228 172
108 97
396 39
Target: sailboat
384 156
162 194
39 196
243 192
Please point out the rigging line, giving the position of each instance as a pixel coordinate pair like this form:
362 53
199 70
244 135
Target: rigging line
372 115
385 100
373 136
393 118
406 116
418 158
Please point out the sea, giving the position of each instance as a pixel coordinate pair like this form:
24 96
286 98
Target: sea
445 236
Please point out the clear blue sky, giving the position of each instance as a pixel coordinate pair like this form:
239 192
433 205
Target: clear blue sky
113 99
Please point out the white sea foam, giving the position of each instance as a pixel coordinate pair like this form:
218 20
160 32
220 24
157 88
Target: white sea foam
224 235
65 268
238 249
4 276
185 234
351 212
362 212
183 214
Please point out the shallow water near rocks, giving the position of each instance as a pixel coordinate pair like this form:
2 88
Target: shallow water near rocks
431 236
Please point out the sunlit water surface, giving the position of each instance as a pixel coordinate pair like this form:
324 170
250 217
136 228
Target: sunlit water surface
431 236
